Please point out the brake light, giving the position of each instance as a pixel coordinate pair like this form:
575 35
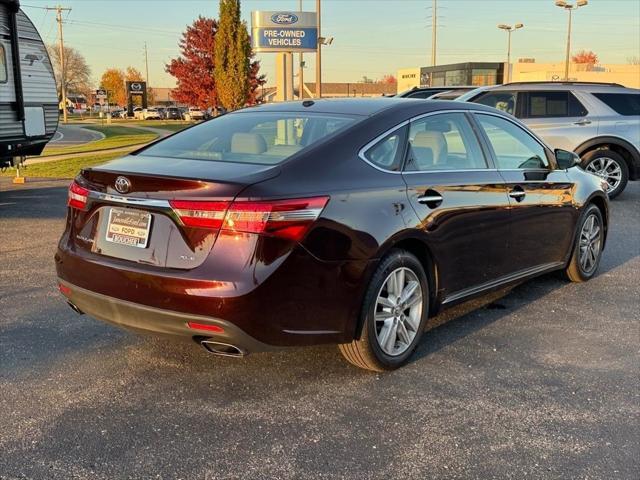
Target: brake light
77 196
201 214
281 218
203 326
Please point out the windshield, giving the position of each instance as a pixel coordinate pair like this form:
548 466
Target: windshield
250 137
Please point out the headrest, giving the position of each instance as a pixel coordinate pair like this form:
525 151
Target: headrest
428 140
248 143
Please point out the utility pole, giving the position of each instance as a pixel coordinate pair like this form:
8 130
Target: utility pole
434 33
146 65
300 66
318 56
63 70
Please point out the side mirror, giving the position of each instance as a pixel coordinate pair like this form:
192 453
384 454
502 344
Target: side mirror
566 159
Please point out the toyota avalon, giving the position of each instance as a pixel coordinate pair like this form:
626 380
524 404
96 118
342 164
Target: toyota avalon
325 221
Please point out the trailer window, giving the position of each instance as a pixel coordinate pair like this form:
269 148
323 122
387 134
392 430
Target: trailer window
3 65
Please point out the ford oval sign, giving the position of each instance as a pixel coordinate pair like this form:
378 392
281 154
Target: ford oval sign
284 18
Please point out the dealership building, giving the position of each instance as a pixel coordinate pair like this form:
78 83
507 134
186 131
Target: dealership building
524 70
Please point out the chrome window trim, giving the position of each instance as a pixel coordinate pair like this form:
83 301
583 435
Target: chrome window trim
363 150
131 201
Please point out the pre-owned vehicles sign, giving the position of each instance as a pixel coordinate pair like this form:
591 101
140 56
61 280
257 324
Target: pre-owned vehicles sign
284 31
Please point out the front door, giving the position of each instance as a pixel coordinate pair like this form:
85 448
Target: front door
460 201
542 211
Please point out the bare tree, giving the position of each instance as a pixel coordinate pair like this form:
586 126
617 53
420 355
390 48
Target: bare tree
635 60
77 72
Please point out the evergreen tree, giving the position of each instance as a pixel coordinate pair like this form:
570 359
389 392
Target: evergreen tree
232 53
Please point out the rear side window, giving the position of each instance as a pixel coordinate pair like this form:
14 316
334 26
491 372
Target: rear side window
3 65
443 142
250 137
504 101
387 152
626 104
553 104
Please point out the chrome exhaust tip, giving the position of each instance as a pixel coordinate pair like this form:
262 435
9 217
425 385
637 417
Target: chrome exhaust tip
222 349
75 308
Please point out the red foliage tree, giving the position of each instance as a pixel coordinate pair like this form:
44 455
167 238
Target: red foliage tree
388 80
584 56
193 69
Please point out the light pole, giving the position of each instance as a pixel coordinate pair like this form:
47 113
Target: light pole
569 7
509 29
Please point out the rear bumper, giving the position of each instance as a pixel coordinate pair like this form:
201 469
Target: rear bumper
142 318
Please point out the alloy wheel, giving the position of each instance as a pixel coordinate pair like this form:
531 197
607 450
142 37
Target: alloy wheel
398 311
590 240
607 169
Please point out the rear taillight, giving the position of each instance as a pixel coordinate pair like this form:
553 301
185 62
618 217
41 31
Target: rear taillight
77 196
281 218
195 213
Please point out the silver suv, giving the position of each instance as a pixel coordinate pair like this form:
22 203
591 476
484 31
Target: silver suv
598 121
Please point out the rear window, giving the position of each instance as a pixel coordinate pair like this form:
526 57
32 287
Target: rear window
554 105
250 137
623 103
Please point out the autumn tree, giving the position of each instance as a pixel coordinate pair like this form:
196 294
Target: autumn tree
113 81
584 56
388 80
232 52
194 68
77 78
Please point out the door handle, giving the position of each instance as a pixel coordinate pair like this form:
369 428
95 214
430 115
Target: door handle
584 121
517 194
431 199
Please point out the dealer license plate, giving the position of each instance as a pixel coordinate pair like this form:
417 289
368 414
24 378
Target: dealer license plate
128 227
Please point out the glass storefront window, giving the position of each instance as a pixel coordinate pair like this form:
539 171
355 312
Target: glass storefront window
484 76
455 77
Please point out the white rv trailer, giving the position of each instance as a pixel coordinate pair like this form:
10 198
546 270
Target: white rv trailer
28 95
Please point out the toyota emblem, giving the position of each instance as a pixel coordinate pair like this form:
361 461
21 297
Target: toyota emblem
123 185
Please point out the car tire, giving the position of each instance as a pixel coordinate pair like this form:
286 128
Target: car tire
382 314
603 163
585 242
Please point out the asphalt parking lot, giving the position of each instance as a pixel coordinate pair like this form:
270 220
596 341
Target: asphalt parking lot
542 381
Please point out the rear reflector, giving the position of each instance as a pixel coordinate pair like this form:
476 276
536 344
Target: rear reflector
77 196
200 214
66 291
289 219
203 326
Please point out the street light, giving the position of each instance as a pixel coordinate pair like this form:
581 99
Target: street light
569 7
509 29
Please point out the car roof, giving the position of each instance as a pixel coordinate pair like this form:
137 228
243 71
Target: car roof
564 86
364 106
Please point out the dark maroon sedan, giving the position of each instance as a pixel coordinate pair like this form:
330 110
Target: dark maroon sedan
330 221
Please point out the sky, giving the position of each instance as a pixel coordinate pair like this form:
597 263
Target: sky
371 37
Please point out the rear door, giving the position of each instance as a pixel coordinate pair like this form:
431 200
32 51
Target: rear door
460 200
540 196
558 117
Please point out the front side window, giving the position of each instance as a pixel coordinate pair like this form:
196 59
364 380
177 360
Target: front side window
627 104
387 152
3 65
553 104
514 148
443 142
250 137
503 101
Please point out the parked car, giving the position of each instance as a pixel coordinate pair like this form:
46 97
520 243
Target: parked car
150 114
600 122
325 221
138 113
162 111
173 113
429 92
194 114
